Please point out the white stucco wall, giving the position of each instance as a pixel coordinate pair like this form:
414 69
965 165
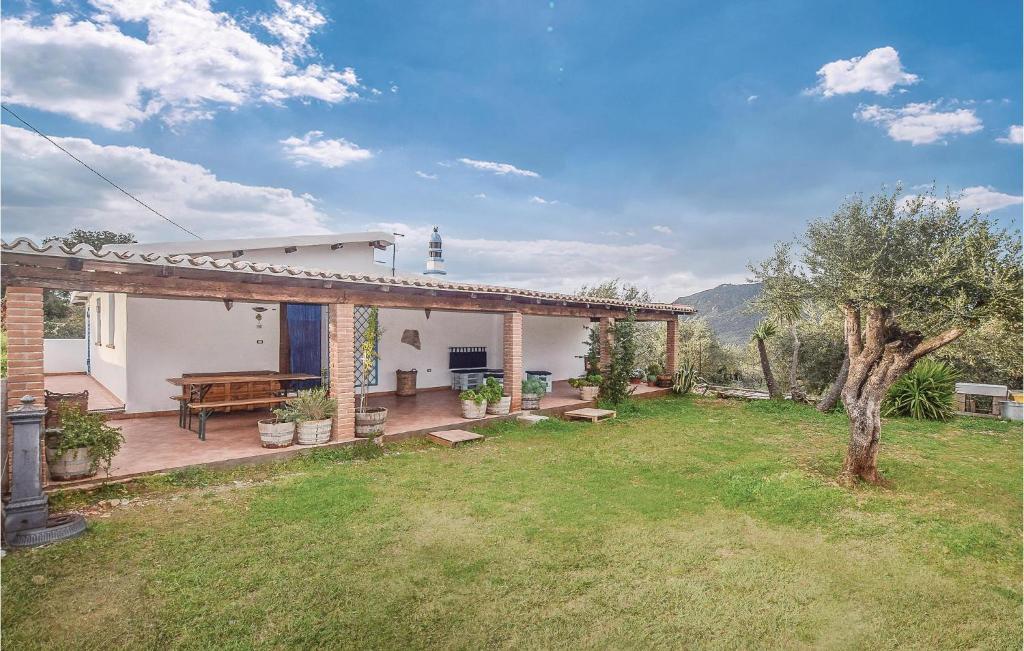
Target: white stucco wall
441 330
353 257
108 359
170 337
64 355
555 344
549 344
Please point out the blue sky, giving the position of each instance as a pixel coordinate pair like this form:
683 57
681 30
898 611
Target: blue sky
555 144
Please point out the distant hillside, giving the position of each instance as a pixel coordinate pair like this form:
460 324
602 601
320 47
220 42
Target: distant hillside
725 309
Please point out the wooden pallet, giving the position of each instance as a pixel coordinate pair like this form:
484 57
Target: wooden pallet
453 437
591 414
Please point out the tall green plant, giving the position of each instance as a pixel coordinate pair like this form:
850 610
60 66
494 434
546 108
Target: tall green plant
368 355
616 388
925 392
762 333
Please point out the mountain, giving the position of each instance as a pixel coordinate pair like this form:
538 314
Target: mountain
725 308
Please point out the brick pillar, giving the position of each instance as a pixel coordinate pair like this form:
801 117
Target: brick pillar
23 321
605 338
513 356
341 348
672 345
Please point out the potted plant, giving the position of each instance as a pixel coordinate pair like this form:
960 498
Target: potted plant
533 391
82 444
498 403
474 404
637 376
275 432
369 420
587 385
312 411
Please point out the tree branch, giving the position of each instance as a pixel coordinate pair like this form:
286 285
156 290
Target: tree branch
932 344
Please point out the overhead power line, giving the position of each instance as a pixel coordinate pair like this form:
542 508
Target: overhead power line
97 173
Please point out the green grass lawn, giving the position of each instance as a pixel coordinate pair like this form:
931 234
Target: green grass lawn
687 523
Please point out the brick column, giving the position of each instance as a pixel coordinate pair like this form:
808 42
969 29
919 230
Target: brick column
606 340
513 357
23 321
341 349
672 345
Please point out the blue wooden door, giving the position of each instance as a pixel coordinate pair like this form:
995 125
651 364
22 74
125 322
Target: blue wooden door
304 341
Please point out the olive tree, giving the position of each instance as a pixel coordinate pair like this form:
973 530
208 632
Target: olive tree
910 275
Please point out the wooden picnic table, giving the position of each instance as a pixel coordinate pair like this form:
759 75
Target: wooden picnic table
195 389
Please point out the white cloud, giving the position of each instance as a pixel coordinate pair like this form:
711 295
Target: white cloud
986 199
1014 135
552 265
878 71
326 152
293 24
47 193
425 175
664 230
544 202
480 195
190 63
501 169
920 123
751 99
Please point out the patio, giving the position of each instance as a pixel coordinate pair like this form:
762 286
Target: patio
157 444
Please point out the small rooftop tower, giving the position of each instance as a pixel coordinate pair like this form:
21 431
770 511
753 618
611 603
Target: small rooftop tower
435 259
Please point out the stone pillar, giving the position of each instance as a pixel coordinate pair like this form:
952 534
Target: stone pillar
23 321
606 341
27 508
513 356
341 349
672 345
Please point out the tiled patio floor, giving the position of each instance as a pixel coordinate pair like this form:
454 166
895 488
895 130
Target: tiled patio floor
100 398
155 444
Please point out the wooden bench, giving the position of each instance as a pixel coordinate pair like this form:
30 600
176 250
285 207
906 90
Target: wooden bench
204 409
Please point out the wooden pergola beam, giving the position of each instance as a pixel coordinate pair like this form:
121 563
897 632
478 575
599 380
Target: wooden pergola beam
181 283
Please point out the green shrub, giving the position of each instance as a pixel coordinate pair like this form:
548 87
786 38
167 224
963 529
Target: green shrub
309 404
925 392
534 387
492 391
592 380
80 429
475 396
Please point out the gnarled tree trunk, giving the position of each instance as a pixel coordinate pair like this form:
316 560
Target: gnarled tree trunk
831 398
766 367
876 361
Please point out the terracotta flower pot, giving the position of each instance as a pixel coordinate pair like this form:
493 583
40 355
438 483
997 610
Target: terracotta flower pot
76 463
313 432
500 407
276 435
664 381
588 393
531 401
370 423
470 409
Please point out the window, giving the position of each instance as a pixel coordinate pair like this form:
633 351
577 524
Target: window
99 321
111 304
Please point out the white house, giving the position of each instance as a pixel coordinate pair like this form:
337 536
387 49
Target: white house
136 342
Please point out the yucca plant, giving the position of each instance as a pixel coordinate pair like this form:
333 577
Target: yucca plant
925 392
684 379
762 333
